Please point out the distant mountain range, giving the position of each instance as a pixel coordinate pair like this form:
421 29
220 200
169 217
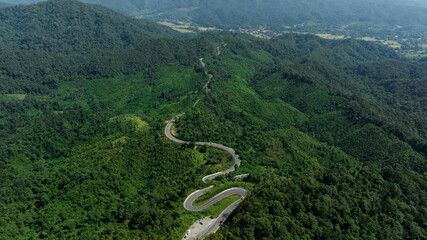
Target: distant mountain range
272 13
130 6
278 12
3 4
21 1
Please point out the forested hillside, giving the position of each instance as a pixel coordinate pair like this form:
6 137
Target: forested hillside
21 1
276 13
398 23
333 133
334 204
42 30
41 44
315 141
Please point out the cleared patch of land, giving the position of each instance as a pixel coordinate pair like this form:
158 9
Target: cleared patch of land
393 44
207 28
330 36
179 26
17 96
416 54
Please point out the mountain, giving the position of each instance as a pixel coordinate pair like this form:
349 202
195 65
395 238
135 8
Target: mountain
286 12
282 119
3 5
22 1
313 120
60 33
333 133
398 23
75 27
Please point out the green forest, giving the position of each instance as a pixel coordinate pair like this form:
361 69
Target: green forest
333 133
400 23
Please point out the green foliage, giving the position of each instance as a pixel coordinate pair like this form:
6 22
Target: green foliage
337 203
277 12
95 174
39 49
391 20
129 124
75 27
328 153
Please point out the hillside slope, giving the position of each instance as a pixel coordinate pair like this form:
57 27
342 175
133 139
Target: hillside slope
71 26
280 11
286 12
399 23
333 134
40 43
90 159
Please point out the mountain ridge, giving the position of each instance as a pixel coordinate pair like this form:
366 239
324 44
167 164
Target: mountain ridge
72 21
58 34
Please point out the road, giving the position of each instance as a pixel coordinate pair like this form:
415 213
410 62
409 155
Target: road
208 90
220 146
221 218
188 203
168 130
241 176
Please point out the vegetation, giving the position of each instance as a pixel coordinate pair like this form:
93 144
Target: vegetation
332 133
290 124
334 203
398 21
39 49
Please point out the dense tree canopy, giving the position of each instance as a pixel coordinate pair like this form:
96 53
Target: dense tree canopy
332 133
44 43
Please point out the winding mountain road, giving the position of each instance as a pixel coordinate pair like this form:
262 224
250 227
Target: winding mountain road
189 201
208 90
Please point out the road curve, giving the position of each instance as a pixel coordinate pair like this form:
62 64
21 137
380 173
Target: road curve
208 90
221 218
168 130
189 201
220 146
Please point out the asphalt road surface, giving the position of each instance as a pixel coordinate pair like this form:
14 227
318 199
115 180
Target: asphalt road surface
220 146
188 203
208 90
